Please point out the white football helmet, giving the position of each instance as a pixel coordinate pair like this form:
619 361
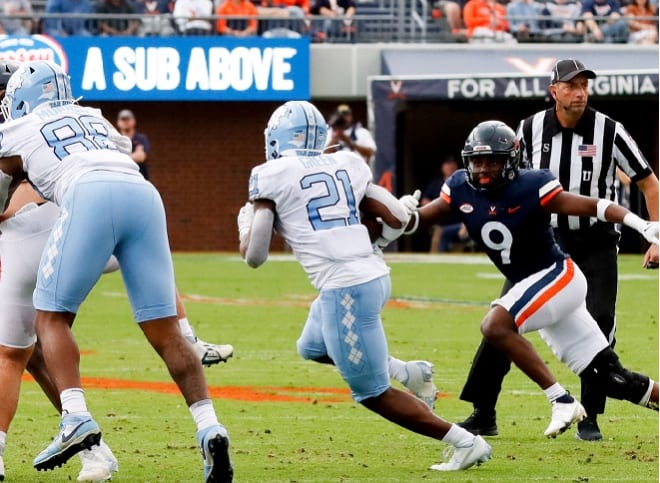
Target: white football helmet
296 126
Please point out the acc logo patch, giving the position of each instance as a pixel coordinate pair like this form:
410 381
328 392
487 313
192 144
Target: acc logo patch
466 208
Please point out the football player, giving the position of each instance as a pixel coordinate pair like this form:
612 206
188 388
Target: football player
314 200
507 210
24 229
106 208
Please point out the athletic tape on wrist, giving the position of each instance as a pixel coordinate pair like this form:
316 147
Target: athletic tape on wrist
601 207
415 224
634 222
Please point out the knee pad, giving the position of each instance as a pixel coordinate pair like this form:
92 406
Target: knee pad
618 382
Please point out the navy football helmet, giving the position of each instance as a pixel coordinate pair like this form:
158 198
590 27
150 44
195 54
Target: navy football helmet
492 139
295 126
7 68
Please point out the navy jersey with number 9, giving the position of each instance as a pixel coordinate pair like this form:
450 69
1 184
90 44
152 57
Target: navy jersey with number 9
509 221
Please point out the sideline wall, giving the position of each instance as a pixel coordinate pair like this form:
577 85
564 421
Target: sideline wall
200 161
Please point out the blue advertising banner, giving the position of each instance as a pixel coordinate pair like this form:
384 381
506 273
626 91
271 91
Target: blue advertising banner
173 68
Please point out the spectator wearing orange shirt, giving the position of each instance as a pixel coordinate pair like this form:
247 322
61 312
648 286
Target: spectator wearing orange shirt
240 27
643 29
486 20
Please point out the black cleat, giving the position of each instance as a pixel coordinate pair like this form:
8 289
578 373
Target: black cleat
588 430
480 422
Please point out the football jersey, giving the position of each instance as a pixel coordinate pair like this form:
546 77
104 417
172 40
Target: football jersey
317 201
509 221
60 144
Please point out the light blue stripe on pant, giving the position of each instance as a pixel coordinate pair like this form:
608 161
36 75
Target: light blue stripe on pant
107 213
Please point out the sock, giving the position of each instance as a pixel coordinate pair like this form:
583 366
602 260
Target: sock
203 414
646 399
458 437
397 369
554 392
186 330
3 440
73 401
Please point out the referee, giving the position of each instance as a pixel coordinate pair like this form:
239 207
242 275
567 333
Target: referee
582 147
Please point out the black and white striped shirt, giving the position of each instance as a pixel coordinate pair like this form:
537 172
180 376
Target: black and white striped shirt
583 158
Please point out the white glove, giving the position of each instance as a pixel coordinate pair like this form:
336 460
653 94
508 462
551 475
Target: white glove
651 232
648 229
244 219
411 202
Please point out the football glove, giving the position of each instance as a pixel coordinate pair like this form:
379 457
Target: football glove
651 232
411 202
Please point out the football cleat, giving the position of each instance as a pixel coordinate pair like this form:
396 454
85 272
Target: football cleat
463 458
211 354
77 432
563 415
588 430
480 422
214 444
420 381
98 463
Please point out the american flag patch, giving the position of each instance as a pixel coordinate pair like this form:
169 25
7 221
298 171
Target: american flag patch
587 150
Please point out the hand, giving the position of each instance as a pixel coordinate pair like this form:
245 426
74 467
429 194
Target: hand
411 202
651 231
244 219
651 257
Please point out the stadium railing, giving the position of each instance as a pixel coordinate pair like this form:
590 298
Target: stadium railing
376 21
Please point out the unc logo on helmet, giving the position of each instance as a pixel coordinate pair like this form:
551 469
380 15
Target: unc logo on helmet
33 84
489 144
295 126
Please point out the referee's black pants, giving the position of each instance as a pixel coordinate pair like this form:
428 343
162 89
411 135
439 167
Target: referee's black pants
595 252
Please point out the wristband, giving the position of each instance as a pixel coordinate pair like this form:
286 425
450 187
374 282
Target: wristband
601 207
415 224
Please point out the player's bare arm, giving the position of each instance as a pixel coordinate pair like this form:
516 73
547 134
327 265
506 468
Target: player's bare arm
11 175
437 212
564 203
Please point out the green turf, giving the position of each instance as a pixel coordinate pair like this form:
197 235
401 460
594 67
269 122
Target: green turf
153 435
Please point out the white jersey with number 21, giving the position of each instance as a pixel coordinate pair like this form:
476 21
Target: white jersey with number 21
317 201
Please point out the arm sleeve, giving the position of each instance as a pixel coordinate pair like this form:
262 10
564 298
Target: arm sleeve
260 235
383 196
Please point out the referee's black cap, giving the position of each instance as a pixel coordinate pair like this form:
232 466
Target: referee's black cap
564 70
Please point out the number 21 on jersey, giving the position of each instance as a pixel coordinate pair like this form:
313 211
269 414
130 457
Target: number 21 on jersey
331 199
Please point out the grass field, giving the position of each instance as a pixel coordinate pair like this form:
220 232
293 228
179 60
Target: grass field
292 421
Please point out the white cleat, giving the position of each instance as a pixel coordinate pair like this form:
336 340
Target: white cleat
420 381
211 354
563 415
98 464
463 458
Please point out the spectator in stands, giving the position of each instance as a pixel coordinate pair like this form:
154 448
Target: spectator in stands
117 26
452 12
561 25
643 28
523 17
155 17
289 17
603 21
15 26
486 21
126 126
63 27
192 16
335 10
243 26
349 135
446 237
